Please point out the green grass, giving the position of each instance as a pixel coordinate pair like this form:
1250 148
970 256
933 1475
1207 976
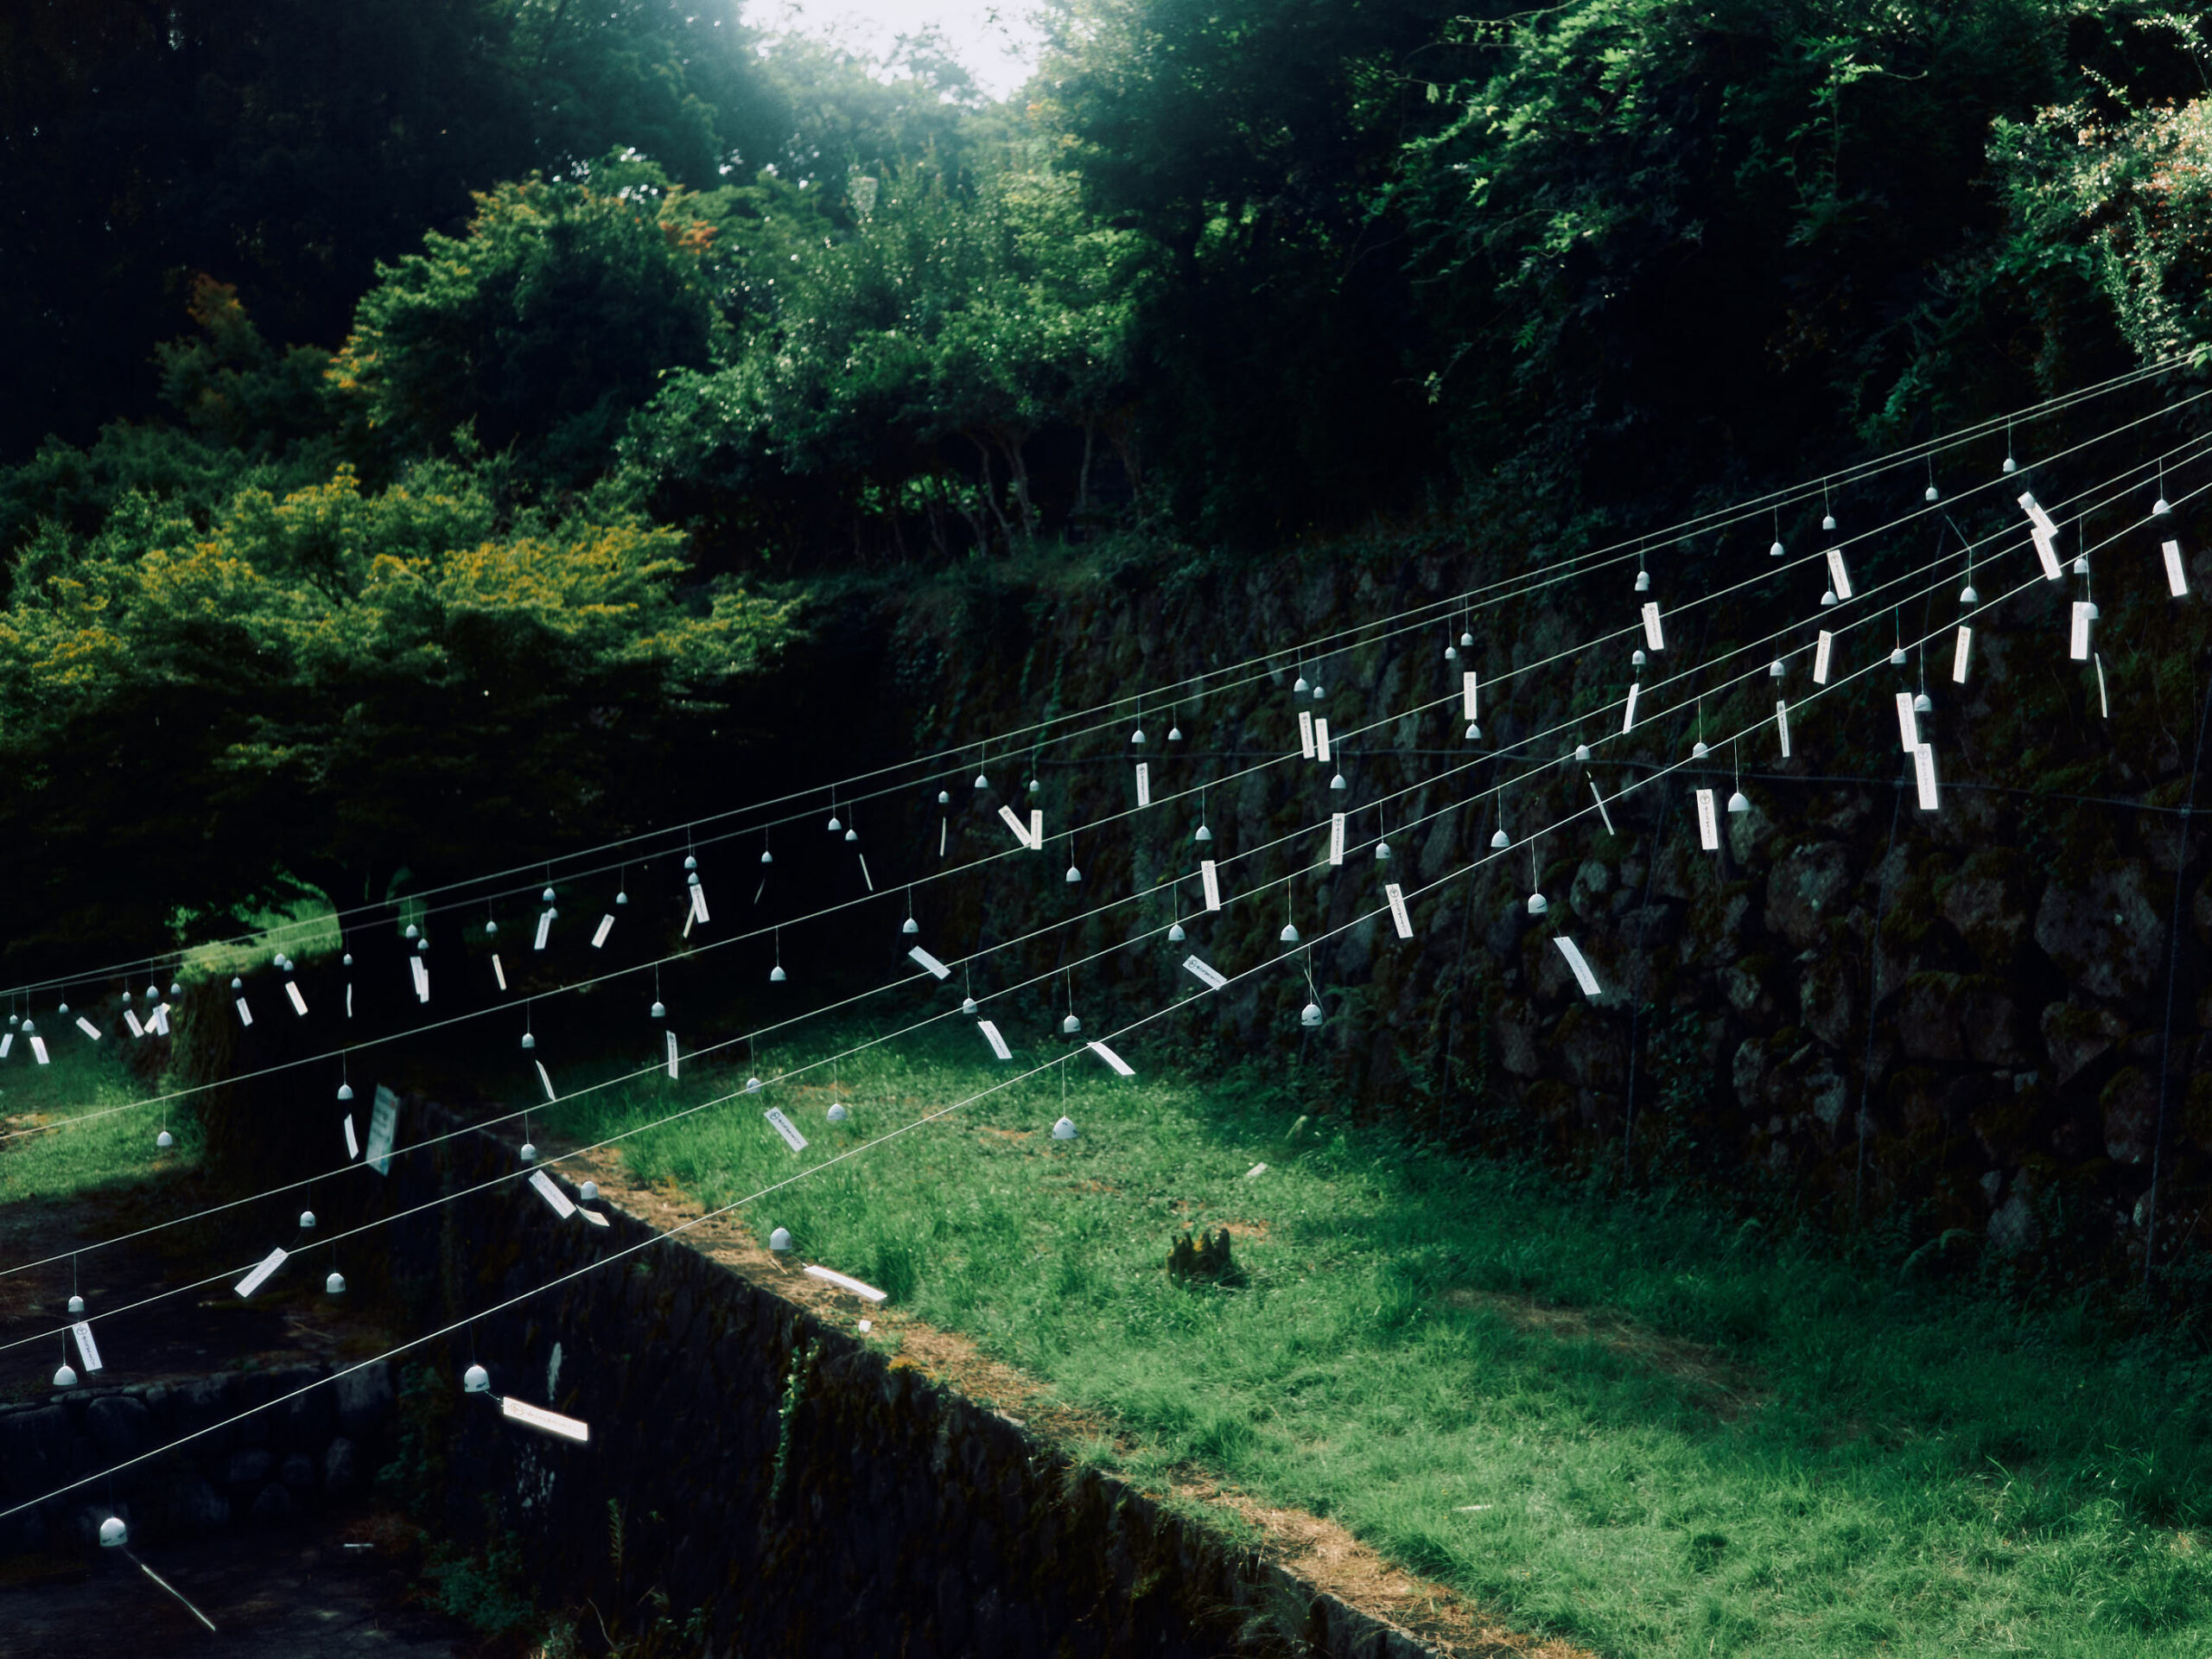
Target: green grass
86 1079
305 929
1731 1449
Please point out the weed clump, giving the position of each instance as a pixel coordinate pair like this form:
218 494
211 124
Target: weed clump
1204 1260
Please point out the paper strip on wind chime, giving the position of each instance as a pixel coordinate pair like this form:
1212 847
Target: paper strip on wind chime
546 1422
1923 775
383 1127
261 1271
1205 974
1122 1067
555 1198
2044 535
1575 962
868 1293
1839 578
1396 897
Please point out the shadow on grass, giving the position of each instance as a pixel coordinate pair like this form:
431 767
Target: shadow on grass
1647 1429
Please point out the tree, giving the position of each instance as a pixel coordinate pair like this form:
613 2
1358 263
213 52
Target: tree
1250 141
908 368
2119 196
285 146
335 684
245 413
542 328
1663 248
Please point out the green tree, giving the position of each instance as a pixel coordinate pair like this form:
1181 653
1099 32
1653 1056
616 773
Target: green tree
2119 196
336 684
909 367
542 326
1662 246
1278 355
286 146
243 412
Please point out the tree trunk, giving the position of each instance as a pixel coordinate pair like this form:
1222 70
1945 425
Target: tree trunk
1083 476
937 525
991 493
1010 444
1125 449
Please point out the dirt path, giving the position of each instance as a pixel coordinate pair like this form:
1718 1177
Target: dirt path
299 1593
1317 1551
149 1329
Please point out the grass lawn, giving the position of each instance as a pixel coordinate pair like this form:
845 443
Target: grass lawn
86 1080
1649 1433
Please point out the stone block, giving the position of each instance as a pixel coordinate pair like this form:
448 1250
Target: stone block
198 1507
1805 889
2129 1110
273 1507
2102 931
2076 1038
248 1469
363 1399
1990 904
119 1426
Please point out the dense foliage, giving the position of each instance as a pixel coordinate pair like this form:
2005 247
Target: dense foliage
354 353
330 685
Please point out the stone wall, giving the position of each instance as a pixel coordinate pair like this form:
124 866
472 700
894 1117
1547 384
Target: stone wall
772 1475
261 1471
1947 1025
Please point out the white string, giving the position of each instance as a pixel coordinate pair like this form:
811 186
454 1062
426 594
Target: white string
927 876
894 1134
2072 508
1192 685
